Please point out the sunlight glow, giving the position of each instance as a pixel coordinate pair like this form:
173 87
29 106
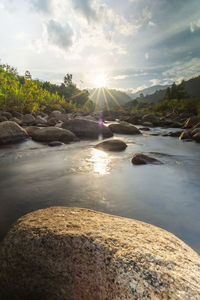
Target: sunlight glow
100 81
100 160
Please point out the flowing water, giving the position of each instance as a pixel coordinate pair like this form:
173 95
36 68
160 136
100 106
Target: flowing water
34 176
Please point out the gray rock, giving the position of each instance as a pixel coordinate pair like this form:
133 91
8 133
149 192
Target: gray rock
124 128
155 120
51 134
3 119
18 121
40 121
55 144
31 129
28 119
142 159
74 253
11 132
51 121
6 114
87 129
111 145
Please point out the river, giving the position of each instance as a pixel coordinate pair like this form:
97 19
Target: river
34 176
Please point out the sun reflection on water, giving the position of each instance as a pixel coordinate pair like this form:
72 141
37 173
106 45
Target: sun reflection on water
101 161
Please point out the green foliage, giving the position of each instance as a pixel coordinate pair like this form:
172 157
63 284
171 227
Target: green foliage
22 94
176 91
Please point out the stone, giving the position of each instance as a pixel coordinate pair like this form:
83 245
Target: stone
111 145
144 128
142 159
174 134
3 119
155 120
6 114
16 120
147 124
28 119
40 121
123 128
11 132
51 121
196 137
31 129
74 253
185 135
87 129
51 134
55 144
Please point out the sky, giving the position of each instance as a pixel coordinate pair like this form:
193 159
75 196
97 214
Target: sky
134 44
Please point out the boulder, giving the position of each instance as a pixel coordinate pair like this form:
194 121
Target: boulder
51 134
124 128
142 159
6 114
87 129
28 119
11 132
31 129
147 124
40 121
111 145
55 144
155 120
51 121
190 122
174 134
144 128
18 121
75 253
58 116
196 137
3 119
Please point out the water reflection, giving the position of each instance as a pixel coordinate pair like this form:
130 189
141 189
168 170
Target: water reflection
100 161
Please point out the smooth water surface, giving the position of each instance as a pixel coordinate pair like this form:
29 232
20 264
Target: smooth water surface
34 176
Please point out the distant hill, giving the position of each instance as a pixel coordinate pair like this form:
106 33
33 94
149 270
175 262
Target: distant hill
148 91
192 87
113 97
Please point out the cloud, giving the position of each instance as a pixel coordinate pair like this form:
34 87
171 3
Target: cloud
147 55
121 77
58 35
155 81
85 8
44 6
194 25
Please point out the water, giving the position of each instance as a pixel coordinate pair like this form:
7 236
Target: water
34 176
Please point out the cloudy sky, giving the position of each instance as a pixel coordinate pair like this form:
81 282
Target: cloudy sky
134 43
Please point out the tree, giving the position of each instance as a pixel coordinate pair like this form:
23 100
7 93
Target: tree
28 75
68 80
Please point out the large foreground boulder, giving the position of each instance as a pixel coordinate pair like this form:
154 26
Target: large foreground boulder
111 145
11 132
142 159
124 128
84 128
50 134
79 254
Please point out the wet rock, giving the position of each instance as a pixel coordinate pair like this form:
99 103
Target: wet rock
123 128
185 135
190 122
11 132
31 129
111 145
40 121
147 124
155 120
55 144
174 134
28 119
142 159
144 128
58 116
3 119
51 134
74 253
51 121
87 129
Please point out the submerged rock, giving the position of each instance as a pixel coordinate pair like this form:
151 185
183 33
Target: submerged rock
142 159
111 145
124 128
55 144
11 132
74 253
84 128
51 134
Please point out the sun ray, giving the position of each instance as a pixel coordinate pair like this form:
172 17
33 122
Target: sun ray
105 99
114 99
93 93
89 99
76 95
97 100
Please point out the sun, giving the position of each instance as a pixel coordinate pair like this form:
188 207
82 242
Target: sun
100 81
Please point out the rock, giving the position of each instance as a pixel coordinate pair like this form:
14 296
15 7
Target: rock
40 121
190 122
174 134
51 121
111 145
75 253
194 131
87 129
28 119
51 134
16 120
17 115
31 129
196 137
123 128
185 135
55 144
3 119
142 159
144 128
11 132
58 116
155 120
147 124
6 114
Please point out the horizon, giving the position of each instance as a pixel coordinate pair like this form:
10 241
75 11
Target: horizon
129 46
